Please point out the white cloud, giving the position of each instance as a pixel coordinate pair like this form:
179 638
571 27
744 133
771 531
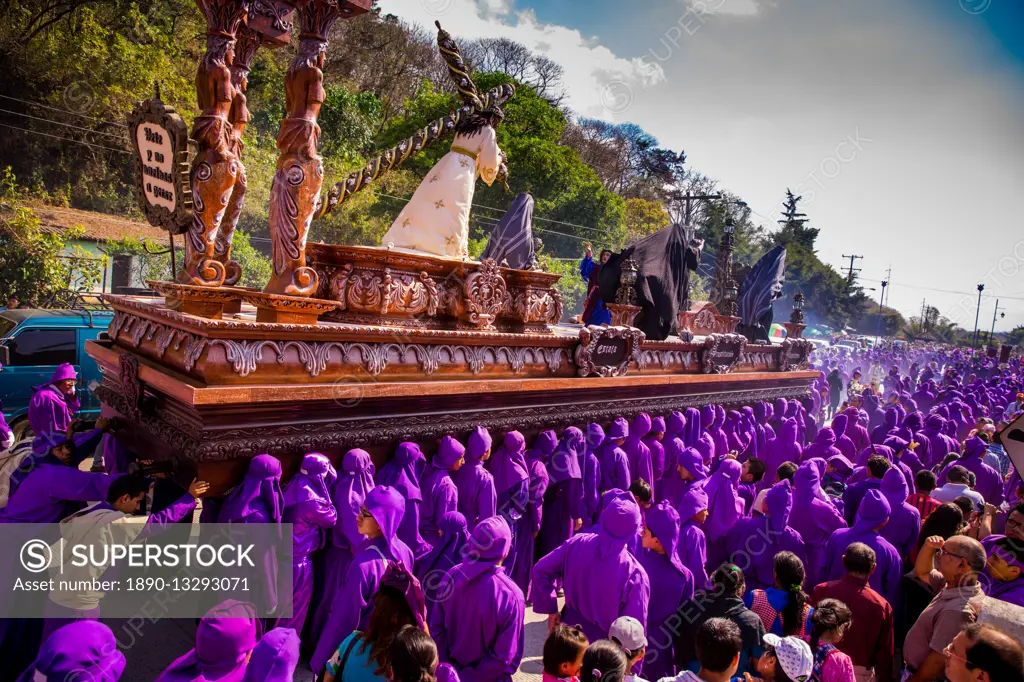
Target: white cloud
594 75
740 8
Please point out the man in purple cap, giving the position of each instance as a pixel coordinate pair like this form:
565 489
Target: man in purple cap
479 627
614 462
989 484
440 496
52 408
671 584
275 658
638 455
1004 570
308 507
872 515
379 518
814 519
601 579
478 499
753 542
402 472
904 524
692 548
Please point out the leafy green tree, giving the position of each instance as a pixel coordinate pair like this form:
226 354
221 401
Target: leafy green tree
1015 337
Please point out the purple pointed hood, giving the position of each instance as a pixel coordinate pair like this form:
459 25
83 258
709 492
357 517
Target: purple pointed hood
478 444
595 436
311 481
508 463
262 482
933 424
565 462
224 638
657 425
488 546
762 412
806 482
354 482
85 651
895 488
449 452
663 521
778 503
843 466
691 432
826 437
400 472
543 446
620 522
691 502
641 426
691 459
974 447
874 510
675 424
723 500
275 658
387 507
707 416
618 429
839 425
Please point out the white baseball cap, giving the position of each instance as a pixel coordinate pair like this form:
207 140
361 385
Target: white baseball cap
629 633
794 656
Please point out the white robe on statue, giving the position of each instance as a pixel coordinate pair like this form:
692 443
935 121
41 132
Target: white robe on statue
436 219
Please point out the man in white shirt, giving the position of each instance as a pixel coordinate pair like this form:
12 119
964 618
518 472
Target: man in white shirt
958 485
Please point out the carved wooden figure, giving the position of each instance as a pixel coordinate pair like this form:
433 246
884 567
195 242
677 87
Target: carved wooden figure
216 167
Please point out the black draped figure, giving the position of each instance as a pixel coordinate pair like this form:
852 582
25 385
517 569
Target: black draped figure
511 243
665 260
762 285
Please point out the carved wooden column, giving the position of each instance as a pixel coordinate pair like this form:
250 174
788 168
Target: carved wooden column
215 168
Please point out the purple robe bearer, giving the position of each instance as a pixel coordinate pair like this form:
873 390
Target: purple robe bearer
754 542
50 411
512 481
351 609
843 442
563 501
671 584
402 472
725 508
904 525
779 450
873 514
692 508
690 472
479 628
614 462
882 431
714 415
81 651
525 543
440 496
637 453
307 506
590 467
477 497
275 658
601 578
653 442
224 638
989 483
445 555
824 446
814 519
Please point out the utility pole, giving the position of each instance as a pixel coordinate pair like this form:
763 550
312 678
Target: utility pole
688 199
851 271
888 280
878 327
995 312
977 316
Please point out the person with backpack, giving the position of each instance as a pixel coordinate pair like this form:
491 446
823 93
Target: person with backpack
830 621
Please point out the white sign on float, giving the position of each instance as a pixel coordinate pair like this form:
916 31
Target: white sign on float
157 156
1012 439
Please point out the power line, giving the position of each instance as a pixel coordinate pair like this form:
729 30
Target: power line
116 136
66 139
851 270
945 291
65 111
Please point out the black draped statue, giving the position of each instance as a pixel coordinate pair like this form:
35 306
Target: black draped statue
664 260
762 285
511 243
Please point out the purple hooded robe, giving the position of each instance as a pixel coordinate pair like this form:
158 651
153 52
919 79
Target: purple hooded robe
347 495
671 585
824 446
989 483
904 525
781 449
479 628
85 651
601 578
351 608
591 470
753 542
814 519
614 461
224 638
563 501
725 508
888 425
715 416
638 454
445 555
873 513
651 440
307 506
525 543
692 543
843 442
1010 591
440 495
478 499
402 472
50 412
512 481
275 658
675 426
854 431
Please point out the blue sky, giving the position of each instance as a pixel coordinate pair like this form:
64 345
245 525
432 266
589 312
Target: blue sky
901 123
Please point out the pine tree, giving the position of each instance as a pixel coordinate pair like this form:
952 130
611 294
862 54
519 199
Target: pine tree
793 230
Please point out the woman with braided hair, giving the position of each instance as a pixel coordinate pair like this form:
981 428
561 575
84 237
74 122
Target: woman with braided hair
785 608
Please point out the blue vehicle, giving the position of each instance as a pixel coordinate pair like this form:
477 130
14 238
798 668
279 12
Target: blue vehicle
33 343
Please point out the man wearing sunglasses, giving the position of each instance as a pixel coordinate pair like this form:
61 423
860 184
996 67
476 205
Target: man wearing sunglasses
951 568
981 653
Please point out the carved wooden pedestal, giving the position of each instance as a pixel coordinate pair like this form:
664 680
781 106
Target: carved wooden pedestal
623 315
794 331
703 319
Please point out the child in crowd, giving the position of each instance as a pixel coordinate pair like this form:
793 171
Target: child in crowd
628 633
786 659
751 474
604 662
563 654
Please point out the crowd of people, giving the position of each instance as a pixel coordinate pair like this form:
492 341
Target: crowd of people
867 531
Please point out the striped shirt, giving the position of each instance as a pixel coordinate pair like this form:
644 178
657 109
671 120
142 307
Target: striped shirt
923 503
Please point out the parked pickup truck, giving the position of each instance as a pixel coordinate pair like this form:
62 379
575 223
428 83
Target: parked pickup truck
33 343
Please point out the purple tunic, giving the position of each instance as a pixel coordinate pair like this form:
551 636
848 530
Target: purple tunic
989 483
525 542
888 424
43 494
671 584
275 658
692 544
873 513
824 446
938 446
512 481
725 508
779 450
754 542
224 638
843 442
637 453
50 413
350 609
591 470
692 464
857 433
653 442
814 519
715 416
904 524
479 628
402 472
440 496
602 579
477 497
563 501
85 651
307 506
614 462
445 555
